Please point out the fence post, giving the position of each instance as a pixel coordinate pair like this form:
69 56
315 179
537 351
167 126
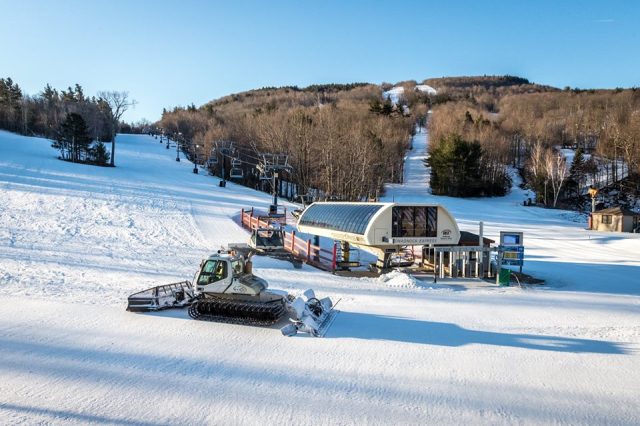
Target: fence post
293 242
308 250
242 217
335 257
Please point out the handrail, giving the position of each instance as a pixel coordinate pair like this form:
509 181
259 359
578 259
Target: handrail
311 253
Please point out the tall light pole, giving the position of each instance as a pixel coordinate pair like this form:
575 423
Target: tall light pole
195 159
593 192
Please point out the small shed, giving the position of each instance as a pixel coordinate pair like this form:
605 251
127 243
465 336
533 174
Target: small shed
615 219
471 239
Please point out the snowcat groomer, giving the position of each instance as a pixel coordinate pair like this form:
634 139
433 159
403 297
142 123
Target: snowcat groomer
225 290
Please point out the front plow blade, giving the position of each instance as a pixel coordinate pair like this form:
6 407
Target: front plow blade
175 295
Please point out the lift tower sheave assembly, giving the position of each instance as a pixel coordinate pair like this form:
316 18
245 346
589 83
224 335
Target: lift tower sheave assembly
270 167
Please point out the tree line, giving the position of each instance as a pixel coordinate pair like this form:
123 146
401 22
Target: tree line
338 146
78 124
527 126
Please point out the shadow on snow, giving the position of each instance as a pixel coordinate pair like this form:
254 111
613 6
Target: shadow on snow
379 327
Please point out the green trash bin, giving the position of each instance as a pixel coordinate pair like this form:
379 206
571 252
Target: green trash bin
504 277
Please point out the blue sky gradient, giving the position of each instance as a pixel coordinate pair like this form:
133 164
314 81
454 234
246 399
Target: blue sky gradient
168 53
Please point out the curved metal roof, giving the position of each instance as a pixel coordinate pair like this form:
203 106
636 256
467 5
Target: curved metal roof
352 218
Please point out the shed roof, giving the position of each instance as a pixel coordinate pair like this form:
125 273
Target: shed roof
471 239
617 211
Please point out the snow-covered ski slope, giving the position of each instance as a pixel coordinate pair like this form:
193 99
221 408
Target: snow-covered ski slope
75 240
558 248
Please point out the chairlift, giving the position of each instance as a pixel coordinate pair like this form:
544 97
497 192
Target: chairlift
266 176
267 239
212 161
236 173
236 162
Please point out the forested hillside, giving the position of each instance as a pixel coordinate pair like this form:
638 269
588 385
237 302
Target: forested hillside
343 140
78 124
515 122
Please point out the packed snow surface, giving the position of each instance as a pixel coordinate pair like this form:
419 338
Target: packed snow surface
396 92
426 89
75 240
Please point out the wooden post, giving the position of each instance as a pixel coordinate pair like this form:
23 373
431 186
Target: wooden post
293 242
480 256
477 269
308 250
242 217
335 257
465 255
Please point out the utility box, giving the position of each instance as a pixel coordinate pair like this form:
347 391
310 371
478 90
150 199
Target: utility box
504 277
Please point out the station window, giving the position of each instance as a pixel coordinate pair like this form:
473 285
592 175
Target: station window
606 219
414 221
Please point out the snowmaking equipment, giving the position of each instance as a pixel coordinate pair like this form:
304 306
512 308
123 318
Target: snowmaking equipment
226 290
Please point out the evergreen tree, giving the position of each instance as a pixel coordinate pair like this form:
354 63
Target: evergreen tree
457 170
577 171
387 106
577 165
73 139
99 154
375 106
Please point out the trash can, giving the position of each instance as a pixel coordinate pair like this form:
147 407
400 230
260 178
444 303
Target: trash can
504 277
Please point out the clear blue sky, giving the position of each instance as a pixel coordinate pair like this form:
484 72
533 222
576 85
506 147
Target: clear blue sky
168 53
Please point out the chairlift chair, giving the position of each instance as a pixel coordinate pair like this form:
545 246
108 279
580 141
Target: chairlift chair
236 173
267 239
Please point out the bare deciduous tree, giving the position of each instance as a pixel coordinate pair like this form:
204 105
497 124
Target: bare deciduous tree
556 170
119 103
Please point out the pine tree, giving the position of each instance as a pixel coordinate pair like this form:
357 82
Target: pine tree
99 154
577 165
375 106
577 170
73 139
387 107
456 168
